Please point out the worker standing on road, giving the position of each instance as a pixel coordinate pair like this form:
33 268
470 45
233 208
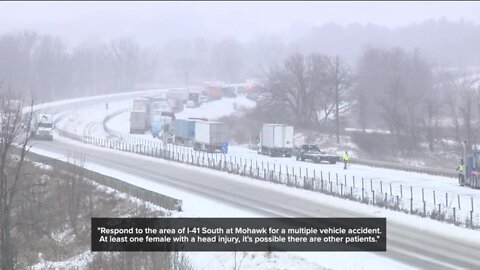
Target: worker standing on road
345 158
461 171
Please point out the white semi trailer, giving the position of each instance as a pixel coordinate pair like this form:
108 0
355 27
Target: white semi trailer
138 121
276 140
210 136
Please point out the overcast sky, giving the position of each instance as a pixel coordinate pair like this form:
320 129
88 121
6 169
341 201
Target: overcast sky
157 21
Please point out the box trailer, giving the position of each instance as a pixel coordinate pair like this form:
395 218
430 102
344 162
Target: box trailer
213 92
138 122
176 104
276 139
210 136
184 131
140 104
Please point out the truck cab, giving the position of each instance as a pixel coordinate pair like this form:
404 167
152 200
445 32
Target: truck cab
44 127
472 170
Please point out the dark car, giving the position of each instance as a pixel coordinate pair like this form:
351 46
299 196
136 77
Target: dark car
313 153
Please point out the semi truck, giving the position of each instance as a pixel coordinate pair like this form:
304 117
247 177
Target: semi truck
213 92
156 122
143 104
276 140
472 172
138 122
42 126
210 136
162 124
184 131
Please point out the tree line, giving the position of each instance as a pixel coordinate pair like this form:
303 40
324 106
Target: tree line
43 66
390 89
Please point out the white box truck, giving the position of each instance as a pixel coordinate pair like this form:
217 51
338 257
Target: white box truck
210 136
276 140
138 121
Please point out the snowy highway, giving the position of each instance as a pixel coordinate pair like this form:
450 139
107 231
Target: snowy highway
406 244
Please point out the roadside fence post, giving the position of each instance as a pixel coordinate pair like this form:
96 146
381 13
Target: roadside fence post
411 199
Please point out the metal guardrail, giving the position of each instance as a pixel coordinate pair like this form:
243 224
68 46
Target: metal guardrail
111 182
401 167
110 131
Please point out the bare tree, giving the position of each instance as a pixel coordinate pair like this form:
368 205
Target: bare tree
462 99
226 60
125 58
339 79
186 66
296 91
400 85
15 136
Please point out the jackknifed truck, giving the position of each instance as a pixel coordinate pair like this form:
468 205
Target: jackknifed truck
276 140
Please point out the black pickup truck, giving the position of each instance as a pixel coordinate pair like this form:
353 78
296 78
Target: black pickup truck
313 153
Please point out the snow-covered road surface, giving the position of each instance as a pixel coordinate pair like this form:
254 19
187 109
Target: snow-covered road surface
406 243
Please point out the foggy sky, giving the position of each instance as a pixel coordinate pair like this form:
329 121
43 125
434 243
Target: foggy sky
153 22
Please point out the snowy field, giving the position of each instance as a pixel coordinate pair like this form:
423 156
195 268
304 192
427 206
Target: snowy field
218 108
89 121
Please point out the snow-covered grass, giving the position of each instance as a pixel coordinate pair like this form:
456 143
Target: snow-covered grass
42 166
218 108
89 121
79 261
124 205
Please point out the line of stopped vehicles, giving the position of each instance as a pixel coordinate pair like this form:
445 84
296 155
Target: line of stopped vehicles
155 114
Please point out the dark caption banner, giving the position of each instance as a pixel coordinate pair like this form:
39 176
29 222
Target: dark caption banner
239 234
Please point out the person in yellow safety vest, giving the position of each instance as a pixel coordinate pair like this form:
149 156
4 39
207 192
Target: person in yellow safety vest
345 158
461 172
